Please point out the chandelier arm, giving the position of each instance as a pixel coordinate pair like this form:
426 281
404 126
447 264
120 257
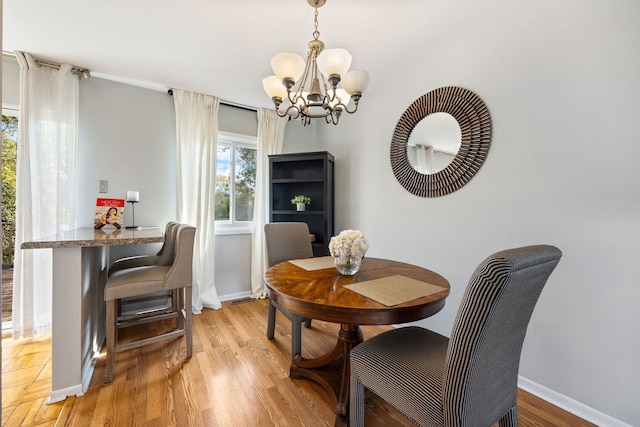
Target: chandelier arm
355 108
297 95
293 96
327 95
287 111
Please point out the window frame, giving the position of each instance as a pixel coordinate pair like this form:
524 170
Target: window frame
234 140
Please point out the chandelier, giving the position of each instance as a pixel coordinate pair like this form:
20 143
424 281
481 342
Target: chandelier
318 94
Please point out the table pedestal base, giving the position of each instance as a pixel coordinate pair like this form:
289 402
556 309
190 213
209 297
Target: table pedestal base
332 371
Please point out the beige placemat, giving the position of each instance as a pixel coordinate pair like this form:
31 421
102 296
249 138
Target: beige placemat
316 263
394 290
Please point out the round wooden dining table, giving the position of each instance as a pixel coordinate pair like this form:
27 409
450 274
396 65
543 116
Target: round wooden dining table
321 294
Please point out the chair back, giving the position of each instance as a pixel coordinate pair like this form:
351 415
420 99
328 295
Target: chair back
286 241
180 273
167 232
483 356
167 252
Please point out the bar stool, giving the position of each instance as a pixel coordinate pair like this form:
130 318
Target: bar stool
139 281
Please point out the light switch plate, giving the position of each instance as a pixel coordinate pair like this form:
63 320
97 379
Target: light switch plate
104 186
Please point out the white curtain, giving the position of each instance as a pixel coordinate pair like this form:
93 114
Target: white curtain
270 139
196 138
45 180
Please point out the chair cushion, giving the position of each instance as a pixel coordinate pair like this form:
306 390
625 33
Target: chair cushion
135 281
405 367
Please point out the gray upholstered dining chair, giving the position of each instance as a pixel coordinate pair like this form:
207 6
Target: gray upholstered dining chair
471 378
286 241
148 280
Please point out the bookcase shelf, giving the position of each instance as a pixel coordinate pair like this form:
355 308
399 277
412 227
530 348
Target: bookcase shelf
310 174
300 213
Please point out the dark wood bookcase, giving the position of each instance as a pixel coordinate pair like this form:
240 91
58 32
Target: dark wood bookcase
310 174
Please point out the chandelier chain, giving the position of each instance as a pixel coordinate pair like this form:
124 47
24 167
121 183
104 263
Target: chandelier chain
316 33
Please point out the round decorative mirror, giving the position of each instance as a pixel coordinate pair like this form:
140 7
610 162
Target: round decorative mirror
433 155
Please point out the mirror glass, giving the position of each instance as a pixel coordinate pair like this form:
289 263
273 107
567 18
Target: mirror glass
434 143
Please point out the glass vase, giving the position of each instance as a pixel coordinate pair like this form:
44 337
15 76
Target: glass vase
348 265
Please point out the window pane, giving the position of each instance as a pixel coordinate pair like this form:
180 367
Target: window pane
245 183
9 157
223 180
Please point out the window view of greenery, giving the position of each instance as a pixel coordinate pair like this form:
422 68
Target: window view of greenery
223 183
9 147
245 183
235 182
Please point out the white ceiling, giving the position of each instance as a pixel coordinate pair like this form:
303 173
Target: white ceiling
223 48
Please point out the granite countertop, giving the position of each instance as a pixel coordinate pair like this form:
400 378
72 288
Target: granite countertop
85 237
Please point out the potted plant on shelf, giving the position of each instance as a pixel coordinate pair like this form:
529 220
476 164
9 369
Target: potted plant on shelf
300 201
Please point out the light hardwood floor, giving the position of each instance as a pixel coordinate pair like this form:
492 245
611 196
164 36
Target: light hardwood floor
26 382
236 377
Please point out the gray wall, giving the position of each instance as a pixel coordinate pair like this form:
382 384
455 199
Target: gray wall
561 82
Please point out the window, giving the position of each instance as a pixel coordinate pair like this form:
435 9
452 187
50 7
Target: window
9 157
235 179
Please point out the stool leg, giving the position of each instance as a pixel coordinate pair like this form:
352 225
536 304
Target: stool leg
176 305
111 338
189 326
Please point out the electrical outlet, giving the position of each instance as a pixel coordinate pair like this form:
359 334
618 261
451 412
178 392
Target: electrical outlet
104 186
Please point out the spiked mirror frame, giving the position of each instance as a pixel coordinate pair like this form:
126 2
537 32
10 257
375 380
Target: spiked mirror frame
475 123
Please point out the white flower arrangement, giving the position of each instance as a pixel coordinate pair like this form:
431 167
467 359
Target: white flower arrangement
348 243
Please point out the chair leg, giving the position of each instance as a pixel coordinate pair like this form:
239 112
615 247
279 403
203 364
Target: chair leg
296 336
271 322
111 308
188 319
510 419
307 323
356 402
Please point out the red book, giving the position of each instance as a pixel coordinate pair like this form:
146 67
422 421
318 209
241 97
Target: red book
109 212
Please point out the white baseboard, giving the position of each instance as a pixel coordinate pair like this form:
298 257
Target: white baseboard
237 295
573 406
78 389
62 394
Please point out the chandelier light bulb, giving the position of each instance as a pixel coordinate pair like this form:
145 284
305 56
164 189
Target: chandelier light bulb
287 66
274 87
333 62
355 82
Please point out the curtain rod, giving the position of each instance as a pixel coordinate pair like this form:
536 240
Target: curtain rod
84 72
228 104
